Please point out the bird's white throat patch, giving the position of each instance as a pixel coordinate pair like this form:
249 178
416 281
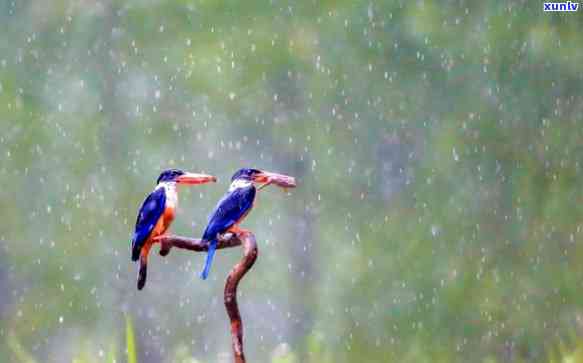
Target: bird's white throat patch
239 183
171 194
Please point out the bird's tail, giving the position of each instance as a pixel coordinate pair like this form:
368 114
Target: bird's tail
142 274
135 249
135 252
209 259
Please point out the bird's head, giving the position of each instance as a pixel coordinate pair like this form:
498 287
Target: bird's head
182 177
257 176
246 174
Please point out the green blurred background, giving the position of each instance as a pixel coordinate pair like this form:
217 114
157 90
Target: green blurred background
438 148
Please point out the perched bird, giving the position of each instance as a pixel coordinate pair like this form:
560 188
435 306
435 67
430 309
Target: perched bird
235 205
157 213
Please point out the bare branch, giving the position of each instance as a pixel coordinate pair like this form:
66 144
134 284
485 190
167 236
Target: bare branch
250 252
249 256
193 244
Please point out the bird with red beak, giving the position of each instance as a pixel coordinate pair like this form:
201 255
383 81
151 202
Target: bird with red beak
232 209
157 213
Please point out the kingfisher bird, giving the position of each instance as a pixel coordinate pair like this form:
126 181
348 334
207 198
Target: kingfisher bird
157 213
234 207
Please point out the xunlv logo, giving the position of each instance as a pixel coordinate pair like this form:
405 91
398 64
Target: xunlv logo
568 6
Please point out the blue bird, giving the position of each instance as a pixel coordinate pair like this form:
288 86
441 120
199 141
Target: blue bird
157 213
232 209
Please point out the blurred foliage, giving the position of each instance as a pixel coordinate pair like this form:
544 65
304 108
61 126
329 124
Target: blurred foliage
438 148
130 341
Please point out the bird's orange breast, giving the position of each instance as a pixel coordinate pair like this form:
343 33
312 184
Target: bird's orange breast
168 216
164 222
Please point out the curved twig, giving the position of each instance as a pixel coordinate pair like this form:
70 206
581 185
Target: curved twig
249 256
245 238
193 244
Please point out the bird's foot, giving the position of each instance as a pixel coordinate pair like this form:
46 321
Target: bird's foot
239 231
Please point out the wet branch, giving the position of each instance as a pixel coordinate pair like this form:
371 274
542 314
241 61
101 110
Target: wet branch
193 244
247 239
239 270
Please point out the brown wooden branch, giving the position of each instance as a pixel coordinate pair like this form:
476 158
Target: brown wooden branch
250 252
249 256
193 244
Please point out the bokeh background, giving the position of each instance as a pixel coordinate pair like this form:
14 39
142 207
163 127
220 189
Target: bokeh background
438 148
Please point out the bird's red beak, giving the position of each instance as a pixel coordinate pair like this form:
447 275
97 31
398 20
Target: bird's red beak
193 178
281 180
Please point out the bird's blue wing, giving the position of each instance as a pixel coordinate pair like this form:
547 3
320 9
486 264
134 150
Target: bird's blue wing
149 214
229 211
